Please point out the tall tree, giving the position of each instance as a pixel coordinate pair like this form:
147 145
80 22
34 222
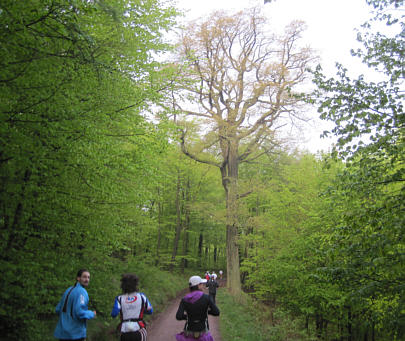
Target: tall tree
244 89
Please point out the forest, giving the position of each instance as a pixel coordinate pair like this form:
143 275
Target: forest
125 151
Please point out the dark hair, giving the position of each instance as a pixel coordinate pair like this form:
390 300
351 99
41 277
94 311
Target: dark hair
194 288
129 283
80 272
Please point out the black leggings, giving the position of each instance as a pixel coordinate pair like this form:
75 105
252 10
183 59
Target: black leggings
139 335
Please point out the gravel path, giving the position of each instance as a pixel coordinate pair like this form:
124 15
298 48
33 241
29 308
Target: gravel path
165 326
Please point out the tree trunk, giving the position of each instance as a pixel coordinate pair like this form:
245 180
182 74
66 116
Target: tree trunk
200 246
16 237
184 263
349 325
178 223
159 233
230 182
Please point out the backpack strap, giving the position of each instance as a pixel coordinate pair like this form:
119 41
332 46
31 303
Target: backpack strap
66 301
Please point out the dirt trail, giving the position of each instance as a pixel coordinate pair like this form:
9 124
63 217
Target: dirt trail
165 326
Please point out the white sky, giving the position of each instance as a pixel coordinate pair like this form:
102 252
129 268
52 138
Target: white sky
330 31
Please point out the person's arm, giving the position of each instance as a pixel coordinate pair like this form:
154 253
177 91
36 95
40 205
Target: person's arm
148 305
180 315
116 307
212 308
81 299
60 304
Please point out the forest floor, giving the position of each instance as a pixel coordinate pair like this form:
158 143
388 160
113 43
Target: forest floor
165 326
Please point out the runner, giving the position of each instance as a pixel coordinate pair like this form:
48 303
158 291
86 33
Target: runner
72 310
212 286
194 308
131 306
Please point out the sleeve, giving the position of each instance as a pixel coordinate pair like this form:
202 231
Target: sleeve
81 300
148 305
180 315
60 304
212 308
116 307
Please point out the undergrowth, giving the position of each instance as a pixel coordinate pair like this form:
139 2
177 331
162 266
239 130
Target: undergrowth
245 319
158 285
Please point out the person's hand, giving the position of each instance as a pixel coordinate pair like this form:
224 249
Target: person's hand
95 313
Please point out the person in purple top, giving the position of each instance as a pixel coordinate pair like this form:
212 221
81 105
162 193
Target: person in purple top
194 308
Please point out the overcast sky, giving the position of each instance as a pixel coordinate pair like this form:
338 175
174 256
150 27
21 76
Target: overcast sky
330 31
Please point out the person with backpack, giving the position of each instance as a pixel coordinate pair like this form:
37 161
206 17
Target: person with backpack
212 286
131 306
72 310
194 308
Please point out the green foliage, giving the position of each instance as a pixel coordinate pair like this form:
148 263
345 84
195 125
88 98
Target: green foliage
201 213
87 181
365 218
283 258
243 318
76 157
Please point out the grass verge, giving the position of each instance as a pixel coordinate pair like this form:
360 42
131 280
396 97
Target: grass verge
245 319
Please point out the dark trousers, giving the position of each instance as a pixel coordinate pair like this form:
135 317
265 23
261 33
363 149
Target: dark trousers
213 297
139 335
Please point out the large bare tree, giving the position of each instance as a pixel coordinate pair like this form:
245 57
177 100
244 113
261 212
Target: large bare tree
243 91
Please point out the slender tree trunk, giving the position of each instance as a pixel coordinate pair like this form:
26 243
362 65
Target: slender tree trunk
159 232
184 262
15 228
372 332
178 223
318 325
349 324
200 246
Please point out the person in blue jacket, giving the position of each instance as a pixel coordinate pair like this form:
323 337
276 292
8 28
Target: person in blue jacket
72 310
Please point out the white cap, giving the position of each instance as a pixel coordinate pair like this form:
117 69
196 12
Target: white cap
195 280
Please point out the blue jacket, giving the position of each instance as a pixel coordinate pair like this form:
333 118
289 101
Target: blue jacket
72 321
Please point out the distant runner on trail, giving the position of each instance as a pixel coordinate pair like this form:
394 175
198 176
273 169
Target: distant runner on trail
131 306
212 286
194 308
